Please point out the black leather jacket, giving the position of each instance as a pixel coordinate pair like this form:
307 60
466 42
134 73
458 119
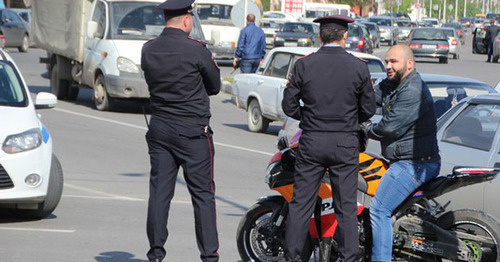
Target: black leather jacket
407 130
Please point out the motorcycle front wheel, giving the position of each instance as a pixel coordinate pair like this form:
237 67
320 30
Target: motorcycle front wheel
476 223
255 238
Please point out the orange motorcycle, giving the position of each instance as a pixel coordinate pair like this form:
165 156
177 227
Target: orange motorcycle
423 229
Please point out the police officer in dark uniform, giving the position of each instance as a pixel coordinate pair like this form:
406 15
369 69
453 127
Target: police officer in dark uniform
337 93
181 74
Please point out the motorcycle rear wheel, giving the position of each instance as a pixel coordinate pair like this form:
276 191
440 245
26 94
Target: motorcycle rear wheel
254 240
477 223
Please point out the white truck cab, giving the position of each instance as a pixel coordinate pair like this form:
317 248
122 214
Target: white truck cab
100 46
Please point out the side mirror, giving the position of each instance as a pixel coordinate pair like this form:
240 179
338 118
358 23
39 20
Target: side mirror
91 29
45 100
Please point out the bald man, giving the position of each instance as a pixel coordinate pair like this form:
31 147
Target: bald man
407 134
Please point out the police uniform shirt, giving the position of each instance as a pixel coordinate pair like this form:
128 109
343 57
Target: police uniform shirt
180 74
333 85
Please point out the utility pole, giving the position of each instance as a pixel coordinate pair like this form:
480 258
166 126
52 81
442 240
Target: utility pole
456 10
465 8
482 8
430 9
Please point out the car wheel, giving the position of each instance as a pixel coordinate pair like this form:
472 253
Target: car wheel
25 44
58 87
54 192
443 60
256 121
73 92
455 56
495 59
102 100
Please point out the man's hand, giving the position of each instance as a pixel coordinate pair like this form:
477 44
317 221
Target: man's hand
235 63
261 61
365 125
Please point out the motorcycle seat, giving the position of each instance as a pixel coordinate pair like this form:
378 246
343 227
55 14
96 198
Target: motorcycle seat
432 185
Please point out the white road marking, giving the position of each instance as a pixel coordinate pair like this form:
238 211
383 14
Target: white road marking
102 194
144 128
37 230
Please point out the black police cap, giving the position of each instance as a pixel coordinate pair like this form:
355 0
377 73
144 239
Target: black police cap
176 7
334 21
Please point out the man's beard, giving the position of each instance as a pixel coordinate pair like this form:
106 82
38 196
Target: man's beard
398 76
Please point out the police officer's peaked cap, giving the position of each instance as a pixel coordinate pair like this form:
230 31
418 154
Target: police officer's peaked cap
176 7
334 21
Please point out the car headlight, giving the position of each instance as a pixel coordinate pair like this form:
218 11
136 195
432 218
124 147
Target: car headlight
278 39
126 65
25 141
304 41
227 44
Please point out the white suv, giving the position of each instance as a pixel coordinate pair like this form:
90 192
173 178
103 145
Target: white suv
31 178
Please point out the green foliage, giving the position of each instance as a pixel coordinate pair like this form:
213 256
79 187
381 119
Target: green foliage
266 5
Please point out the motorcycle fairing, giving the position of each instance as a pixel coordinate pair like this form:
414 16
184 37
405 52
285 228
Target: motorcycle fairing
328 219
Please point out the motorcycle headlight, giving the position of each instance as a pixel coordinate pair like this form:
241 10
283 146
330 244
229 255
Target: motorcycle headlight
126 65
25 141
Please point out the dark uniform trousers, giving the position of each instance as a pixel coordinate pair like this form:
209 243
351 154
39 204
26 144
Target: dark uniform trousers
318 150
172 145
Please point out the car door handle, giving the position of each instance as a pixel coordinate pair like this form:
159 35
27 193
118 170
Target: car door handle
260 82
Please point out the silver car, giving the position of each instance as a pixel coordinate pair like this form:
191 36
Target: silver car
388 29
15 30
453 41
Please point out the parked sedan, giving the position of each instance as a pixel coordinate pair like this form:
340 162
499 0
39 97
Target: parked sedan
404 28
297 34
31 178
358 39
430 43
388 29
15 30
260 94
453 42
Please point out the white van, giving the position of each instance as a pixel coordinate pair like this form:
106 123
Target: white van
315 10
217 26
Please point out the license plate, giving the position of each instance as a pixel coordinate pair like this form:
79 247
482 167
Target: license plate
428 46
290 43
347 45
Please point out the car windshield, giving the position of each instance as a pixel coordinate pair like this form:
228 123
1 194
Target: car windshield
375 66
446 94
215 14
449 33
270 24
297 28
457 26
141 21
381 21
12 92
429 34
318 13
353 30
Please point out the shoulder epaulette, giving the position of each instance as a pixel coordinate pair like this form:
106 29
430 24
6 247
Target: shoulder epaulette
196 40
305 56
364 60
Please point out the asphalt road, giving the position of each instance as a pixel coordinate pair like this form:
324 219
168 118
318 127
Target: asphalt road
102 214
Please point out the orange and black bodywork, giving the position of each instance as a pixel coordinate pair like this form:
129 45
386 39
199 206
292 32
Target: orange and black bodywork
280 178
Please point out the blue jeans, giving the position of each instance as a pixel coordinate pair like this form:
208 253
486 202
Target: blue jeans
249 65
400 180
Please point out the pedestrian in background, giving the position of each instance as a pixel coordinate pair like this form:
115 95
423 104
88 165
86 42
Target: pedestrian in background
251 47
181 74
337 95
491 34
407 134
